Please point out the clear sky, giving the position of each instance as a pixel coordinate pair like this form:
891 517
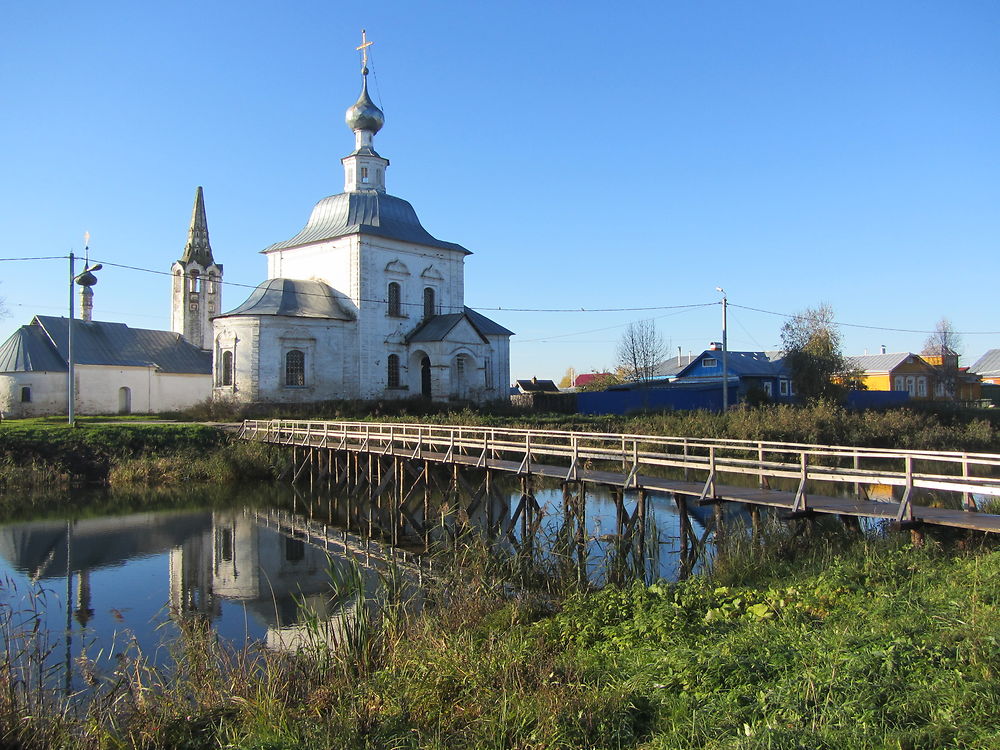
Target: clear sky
591 155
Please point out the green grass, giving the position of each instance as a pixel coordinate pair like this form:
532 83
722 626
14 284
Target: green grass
870 644
46 453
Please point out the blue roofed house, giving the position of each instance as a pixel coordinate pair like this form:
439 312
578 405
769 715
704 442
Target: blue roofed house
748 374
117 369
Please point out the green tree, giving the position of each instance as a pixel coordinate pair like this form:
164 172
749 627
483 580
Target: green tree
812 348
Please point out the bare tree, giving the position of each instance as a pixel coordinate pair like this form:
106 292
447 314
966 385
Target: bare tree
640 349
941 350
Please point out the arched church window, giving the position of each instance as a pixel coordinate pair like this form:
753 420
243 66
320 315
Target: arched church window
226 370
295 368
364 174
428 302
393 374
395 306
195 280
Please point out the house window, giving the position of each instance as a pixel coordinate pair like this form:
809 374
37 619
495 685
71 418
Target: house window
767 388
295 369
364 174
710 362
226 369
922 386
394 300
899 384
911 385
783 388
25 394
428 302
393 374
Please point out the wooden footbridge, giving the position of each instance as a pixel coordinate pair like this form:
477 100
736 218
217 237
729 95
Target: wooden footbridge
908 488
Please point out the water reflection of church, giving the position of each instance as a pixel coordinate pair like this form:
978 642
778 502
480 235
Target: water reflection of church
214 557
279 578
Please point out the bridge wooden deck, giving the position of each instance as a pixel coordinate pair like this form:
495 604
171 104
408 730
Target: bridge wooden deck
939 488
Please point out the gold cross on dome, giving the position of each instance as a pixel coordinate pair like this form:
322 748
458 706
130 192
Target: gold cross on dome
363 48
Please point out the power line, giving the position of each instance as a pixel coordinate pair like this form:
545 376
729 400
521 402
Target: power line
650 308
868 327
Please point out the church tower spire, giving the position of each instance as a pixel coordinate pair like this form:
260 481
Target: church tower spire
198 248
364 169
197 282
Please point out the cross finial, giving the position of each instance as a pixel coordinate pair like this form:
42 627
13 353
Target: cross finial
363 47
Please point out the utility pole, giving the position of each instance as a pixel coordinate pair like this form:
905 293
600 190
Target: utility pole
725 353
71 383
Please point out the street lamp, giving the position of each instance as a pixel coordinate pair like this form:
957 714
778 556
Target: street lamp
725 353
85 280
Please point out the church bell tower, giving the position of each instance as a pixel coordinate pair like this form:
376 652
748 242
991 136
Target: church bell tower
197 282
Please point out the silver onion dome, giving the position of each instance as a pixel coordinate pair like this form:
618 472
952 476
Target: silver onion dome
363 114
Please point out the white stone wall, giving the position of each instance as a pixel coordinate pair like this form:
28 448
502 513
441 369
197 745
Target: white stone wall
260 345
98 391
151 392
48 394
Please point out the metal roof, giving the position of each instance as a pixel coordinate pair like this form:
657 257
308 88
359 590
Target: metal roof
364 212
44 347
752 364
299 298
486 326
988 364
879 362
29 350
537 386
437 327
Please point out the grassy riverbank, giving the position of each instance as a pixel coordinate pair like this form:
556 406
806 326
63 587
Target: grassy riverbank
871 645
46 453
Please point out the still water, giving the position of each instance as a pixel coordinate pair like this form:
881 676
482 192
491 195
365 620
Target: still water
254 562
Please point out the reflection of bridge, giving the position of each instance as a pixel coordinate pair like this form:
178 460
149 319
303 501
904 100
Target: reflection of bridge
927 487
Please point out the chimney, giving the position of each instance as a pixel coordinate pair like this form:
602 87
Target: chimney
883 348
714 346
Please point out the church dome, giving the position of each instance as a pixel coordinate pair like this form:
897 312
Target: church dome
364 212
363 114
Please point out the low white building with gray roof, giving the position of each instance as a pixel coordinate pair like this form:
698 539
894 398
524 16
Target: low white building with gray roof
118 369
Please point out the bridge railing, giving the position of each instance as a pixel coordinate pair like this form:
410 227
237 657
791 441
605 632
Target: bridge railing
634 456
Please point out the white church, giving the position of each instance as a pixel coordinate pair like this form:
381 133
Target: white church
362 303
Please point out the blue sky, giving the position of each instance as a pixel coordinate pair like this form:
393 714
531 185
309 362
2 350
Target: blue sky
590 155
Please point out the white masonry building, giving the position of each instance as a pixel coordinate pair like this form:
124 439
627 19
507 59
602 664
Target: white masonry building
362 303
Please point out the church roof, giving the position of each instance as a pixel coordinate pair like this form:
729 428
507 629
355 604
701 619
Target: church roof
364 212
298 298
486 326
42 347
29 350
437 327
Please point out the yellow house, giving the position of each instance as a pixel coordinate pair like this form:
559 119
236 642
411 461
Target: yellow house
900 371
